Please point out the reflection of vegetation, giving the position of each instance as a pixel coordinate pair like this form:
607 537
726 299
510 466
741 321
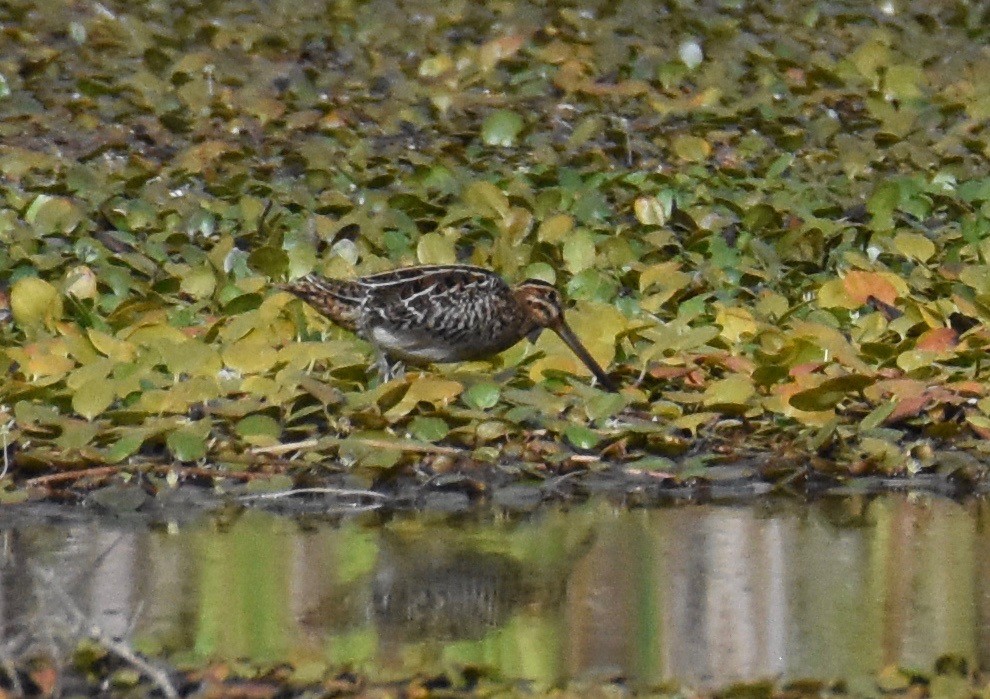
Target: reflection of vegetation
691 595
782 236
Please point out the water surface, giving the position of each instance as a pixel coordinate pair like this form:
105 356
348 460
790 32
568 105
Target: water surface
697 594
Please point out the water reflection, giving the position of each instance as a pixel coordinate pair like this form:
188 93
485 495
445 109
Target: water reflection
704 595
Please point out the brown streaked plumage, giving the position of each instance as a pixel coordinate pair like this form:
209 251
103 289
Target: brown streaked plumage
442 313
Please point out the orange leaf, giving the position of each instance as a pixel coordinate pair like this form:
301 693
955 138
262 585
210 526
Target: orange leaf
938 340
969 388
861 285
805 369
45 676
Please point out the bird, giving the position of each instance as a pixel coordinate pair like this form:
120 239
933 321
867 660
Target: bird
441 313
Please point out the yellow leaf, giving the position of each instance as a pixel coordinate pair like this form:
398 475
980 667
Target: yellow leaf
252 355
579 251
110 346
694 421
155 334
427 389
35 302
666 274
93 397
94 371
42 360
555 228
340 352
435 66
515 226
191 358
977 277
649 211
915 359
597 325
691 148
499 49
81 283
435 249
832 294
199 282
486 200
735 389
202 155
735 322
779 403
833 344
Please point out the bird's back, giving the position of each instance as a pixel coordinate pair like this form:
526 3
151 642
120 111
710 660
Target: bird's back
440 313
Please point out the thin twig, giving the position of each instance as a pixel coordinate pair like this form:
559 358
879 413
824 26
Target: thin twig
156 674
53 478
342 492
552 485
101 471
412 447
284 448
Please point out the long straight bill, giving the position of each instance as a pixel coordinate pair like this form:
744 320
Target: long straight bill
571 340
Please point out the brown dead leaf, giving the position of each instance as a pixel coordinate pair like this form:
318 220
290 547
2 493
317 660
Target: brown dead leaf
696 377
669 372
908 407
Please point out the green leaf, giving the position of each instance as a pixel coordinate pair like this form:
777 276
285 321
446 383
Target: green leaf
278 483
579 251
259 426
428 429
882 204
482 396
581 437
187 443
124 447
270 261
501 128
50 215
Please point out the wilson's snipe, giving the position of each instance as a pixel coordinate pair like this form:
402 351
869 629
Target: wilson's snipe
441 313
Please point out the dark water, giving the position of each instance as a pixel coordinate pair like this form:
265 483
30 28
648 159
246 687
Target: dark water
699 594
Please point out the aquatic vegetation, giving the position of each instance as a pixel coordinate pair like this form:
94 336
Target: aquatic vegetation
772 223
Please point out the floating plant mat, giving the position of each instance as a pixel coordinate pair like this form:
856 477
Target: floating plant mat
771 226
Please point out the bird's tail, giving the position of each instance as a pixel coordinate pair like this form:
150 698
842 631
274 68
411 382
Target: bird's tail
337 299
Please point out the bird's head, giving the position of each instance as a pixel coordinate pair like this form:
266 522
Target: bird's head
545 308
542 303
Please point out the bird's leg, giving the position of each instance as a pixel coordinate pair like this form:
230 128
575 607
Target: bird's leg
389 368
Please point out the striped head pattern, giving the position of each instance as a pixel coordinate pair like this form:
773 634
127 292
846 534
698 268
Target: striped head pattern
541 301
